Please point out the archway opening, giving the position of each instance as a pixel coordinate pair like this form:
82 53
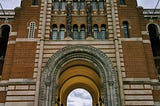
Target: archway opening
4 35
79 97
155 43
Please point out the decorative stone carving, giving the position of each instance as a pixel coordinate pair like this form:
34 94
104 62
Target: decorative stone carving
89 19
108 75
69 19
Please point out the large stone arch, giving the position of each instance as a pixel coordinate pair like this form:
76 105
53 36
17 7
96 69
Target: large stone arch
108 75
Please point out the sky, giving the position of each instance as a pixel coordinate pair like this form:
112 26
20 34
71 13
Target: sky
79 97
11 4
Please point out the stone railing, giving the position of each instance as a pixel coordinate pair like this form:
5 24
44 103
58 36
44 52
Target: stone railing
151 12
7 12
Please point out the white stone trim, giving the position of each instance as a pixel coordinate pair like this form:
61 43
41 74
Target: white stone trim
16 98
130 39
11 42
19 104
2 104
13 34
27 39
146 41
139 103
138 92
136 79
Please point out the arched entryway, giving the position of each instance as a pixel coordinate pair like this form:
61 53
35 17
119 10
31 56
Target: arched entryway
79 66
4 35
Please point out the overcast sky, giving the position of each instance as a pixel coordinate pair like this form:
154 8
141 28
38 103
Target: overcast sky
10 4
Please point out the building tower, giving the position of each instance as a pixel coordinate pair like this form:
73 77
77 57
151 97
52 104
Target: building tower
48 48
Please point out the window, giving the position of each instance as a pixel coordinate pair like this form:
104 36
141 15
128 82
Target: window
32 27
63 5
95 31
82 32
4 35
54 32
75 4
122 2
34 2
82 4
126 29
62 32
75 32
103 31
94 5
101 4
56 5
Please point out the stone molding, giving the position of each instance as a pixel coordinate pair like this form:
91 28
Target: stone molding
108 74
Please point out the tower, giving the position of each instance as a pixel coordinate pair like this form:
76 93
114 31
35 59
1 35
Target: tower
103 46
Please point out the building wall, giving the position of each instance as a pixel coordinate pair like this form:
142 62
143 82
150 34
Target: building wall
26 57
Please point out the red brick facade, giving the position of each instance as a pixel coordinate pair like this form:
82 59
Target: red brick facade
23 60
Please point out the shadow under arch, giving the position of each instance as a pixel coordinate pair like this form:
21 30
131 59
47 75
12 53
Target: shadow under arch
108 75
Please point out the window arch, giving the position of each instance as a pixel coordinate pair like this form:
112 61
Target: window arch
82 32
126 29
4 35
75 32
32 27
155 44
95 31
122 2
62 32
54 32
103 31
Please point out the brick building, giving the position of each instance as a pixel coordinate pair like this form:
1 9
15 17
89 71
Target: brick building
111 48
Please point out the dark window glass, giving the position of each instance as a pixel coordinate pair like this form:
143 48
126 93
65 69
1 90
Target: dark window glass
62 32
34 2
95 32
54 32
82 32
126 29
122 2
75 32
4 35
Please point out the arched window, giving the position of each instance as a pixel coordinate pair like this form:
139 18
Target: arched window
95 32
75 32
54 32
32 27
82 4
82 32
155 43
126 29
34 2
75 4
122 2
94 5
4 35
56 5
62 32
103 31
79 97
